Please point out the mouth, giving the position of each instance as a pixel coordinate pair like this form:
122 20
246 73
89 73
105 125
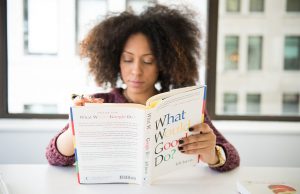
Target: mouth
136 83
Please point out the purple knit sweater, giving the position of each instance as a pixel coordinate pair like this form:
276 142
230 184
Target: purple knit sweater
54 157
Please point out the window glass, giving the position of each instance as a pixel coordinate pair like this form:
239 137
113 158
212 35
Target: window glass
231 52
258 60
43 36
230 103
256 5
89 13
253 103
292 53
254 52
232 5
292 5
40 21
290 103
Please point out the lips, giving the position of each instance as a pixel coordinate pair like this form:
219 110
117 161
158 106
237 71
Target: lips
136 83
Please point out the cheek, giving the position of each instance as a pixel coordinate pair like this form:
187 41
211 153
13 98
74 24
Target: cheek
122 72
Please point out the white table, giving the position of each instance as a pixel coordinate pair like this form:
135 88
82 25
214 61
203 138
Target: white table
40 179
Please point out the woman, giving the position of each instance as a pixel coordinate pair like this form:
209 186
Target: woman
161 45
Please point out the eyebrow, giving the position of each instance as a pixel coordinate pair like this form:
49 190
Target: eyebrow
142 55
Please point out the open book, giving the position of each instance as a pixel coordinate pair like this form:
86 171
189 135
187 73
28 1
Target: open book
133 143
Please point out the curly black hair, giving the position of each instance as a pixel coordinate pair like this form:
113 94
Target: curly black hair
174 40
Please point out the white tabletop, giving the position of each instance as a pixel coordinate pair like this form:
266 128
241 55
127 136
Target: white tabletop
22 179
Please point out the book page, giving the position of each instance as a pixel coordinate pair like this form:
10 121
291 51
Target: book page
109 143
173 92
170 121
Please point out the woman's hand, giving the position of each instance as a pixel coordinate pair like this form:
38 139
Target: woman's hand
80 100
64 142
202 142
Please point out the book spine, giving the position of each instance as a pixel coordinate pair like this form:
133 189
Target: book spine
203 112
147 133
74 143
203 105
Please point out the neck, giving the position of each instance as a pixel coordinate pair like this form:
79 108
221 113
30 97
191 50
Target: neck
139 98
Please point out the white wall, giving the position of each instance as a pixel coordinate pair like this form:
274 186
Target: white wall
259 143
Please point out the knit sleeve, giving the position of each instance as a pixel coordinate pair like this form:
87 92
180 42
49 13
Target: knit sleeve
54 157
232 156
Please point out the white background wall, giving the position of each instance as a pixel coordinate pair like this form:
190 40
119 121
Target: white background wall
258 143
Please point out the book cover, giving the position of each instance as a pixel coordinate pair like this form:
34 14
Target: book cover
267 187
133 143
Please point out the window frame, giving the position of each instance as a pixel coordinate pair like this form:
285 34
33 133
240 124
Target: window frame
210 80
212 33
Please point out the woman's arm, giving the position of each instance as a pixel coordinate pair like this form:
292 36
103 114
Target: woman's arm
56 156
232 156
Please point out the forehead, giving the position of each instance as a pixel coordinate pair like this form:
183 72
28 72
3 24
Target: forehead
137 42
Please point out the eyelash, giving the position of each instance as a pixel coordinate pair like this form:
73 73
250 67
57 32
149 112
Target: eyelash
127 61
145 62
148 63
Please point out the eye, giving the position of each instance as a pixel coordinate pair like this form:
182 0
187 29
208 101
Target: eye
127 61
148 62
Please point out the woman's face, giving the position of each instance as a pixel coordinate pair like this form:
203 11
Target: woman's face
138 65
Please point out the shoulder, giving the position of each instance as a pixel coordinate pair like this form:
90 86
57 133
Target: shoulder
114 96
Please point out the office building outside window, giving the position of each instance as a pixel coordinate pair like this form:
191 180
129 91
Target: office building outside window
233 5
258 59
230 103
253 104
256 5
254 52
40 27
292 53
290 103
293 6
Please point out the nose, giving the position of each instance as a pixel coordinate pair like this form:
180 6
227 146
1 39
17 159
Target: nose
137 68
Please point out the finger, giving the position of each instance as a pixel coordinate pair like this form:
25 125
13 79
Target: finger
196 145
196 138
97 100
81 100
78 101
200 128
196 151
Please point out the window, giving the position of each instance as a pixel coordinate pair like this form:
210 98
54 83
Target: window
254 52
257 5
231 52
262 56
88 13
233 5
40 21
292 5
230 103
253 104
292 53
290 104
40 65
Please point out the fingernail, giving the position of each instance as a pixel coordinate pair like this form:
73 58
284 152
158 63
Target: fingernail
74 96
191 129
180 148
181 141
